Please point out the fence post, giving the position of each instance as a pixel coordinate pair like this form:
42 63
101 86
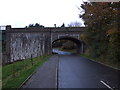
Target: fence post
31 59
13 69
24 63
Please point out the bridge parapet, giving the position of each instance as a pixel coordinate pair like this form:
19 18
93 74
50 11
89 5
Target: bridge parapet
46 29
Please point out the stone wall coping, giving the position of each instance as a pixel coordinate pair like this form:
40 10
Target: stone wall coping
47 29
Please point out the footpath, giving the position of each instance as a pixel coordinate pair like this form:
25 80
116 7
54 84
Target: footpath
45 76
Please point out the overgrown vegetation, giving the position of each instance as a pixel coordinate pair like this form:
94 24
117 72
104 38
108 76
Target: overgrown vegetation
65 45
102 35
13 75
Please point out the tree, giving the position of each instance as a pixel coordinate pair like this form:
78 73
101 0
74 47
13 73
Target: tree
31 25
34 25
37 25
68 45
75 24
63 25
102 21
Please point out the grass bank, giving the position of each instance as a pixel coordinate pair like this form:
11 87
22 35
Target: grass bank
13 75
110 63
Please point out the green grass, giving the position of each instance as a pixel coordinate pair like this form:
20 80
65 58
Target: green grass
13 75
114 64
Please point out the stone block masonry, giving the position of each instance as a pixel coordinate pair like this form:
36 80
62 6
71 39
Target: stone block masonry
21 43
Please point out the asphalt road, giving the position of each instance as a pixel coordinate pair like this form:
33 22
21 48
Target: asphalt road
78 72
73 71
45 76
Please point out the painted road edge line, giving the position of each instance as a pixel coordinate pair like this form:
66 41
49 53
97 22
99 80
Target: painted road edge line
105 65
56 77
102 63
106 85
26 80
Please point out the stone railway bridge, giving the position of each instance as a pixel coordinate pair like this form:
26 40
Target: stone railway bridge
21 43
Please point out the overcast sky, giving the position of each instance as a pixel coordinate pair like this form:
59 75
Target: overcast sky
20 13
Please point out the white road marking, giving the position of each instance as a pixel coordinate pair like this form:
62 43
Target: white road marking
106 85
56 76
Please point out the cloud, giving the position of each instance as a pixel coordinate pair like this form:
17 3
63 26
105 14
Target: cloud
20 13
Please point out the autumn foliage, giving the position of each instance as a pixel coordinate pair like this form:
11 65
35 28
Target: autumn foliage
102 35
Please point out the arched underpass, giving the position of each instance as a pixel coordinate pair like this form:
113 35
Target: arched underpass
78 44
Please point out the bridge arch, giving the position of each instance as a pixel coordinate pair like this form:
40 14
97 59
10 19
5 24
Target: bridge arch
79 43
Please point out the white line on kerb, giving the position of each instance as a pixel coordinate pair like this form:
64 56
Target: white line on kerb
106 85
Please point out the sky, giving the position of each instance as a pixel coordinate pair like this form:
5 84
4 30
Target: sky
21 13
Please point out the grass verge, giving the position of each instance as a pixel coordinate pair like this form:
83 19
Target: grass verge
110 63
13 75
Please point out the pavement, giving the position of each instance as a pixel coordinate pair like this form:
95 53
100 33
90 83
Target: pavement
45 76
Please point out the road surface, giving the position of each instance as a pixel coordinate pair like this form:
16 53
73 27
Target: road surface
73 71
45 76
57 51
78 72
